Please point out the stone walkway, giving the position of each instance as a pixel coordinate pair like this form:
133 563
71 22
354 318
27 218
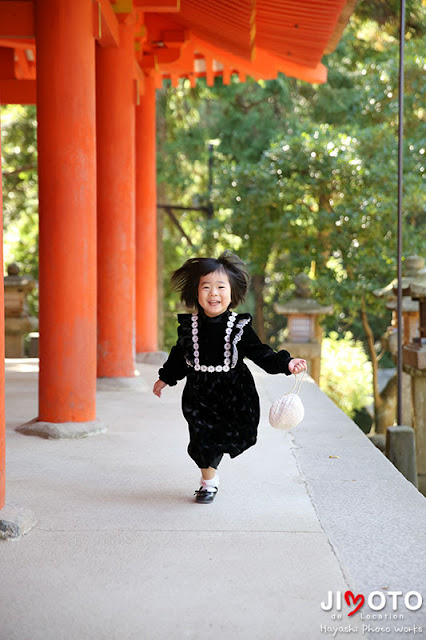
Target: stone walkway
121 552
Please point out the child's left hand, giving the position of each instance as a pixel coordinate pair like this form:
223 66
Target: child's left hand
297 365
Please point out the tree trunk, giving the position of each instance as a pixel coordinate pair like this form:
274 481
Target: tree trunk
258 281
370 341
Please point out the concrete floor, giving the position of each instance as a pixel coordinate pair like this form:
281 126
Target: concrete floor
120 550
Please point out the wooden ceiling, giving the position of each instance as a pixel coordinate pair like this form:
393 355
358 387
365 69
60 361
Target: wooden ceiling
192 38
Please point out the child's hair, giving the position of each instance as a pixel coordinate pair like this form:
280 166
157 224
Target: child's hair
186 279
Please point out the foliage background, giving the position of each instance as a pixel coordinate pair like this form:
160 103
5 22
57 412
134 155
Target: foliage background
20 191
305 180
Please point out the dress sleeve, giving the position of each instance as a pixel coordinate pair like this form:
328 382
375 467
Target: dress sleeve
175 367
269 360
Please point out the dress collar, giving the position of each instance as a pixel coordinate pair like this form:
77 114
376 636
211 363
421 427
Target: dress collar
223 317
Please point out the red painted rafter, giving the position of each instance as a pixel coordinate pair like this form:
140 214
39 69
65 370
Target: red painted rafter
18 43
290 35
255 38
226 24
300 30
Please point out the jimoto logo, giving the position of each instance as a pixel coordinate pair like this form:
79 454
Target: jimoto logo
376 600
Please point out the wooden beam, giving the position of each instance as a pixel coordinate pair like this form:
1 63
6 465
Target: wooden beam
167 56
24 69
177 61
159 6
7 64
158 24
176 37
265 65
141 31
149 63
18 43
266 60
226 75
158 81
123 6
18 92
209 70
17 19
106 26
140 81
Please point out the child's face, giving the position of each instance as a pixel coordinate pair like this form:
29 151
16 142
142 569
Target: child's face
214 293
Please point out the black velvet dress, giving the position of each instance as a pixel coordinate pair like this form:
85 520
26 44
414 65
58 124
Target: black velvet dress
221 408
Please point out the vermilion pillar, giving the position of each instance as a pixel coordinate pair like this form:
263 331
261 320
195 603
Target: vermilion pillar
115 96
146 222
2 418
67 192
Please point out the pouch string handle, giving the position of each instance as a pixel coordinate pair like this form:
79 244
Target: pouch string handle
297 382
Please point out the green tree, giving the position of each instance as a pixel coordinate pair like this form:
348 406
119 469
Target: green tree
20 191
346 374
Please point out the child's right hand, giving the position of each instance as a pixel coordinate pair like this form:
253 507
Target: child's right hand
297 365
158 387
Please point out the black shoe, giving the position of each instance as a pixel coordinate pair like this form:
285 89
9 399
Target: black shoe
205 496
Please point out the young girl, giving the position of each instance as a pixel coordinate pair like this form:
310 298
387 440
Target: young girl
219 401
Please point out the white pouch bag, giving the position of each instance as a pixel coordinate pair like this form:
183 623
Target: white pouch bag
288 411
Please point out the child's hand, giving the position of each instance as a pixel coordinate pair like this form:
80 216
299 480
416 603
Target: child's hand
297 365
159 385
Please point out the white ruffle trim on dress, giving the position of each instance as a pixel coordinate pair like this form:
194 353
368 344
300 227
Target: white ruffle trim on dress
227 364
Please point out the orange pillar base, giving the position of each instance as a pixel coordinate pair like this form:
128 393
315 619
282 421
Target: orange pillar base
15 521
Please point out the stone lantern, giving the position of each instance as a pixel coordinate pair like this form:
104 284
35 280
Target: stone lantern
413 272
414 364
18 321
304 330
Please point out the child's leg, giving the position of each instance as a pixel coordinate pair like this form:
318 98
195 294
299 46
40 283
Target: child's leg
209 485
209 481
209 473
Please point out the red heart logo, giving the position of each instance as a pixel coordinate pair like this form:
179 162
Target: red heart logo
348 596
